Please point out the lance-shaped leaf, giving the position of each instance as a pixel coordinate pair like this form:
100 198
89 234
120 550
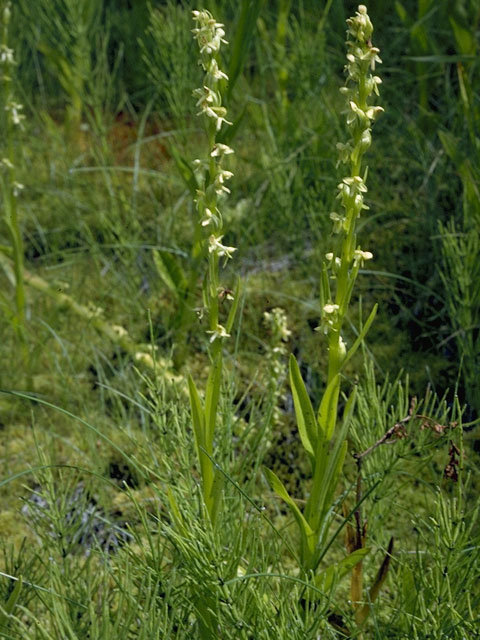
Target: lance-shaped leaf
198 417
212 395
336 457
328 466
326 579
327 413
306 531
324 485
306 421
198 420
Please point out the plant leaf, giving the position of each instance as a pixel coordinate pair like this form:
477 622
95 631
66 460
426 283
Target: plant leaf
326 579
332 462
212 395
198 416
327 468
324 485
464 38
306 421
305 529
327 413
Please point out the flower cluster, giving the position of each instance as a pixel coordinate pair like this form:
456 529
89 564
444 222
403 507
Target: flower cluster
350 194
7 62
360 85
11 107
211 175
209 35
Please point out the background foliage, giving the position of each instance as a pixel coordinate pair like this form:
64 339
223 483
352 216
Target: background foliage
107 222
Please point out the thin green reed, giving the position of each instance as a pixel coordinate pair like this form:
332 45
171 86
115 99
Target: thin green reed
11 118
211 176
323 434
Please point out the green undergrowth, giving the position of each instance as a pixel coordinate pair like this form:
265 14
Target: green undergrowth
101 504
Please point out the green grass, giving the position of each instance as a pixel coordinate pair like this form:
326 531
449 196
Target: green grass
99 424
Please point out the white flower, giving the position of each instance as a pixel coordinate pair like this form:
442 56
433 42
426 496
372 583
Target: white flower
374 57
6 55
219 332
351 186
359 257
373 112
215 72
220 150
14 109
217 113
356 109
220 249
205 97
330 318
208 217
338 221
330 308
337 262
220 178
372 84
209 34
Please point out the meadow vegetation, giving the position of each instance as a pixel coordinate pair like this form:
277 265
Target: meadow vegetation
240 319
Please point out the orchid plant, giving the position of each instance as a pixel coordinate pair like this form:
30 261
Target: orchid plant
324 433
212 178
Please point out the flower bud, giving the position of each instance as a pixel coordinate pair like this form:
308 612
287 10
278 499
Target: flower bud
6 14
